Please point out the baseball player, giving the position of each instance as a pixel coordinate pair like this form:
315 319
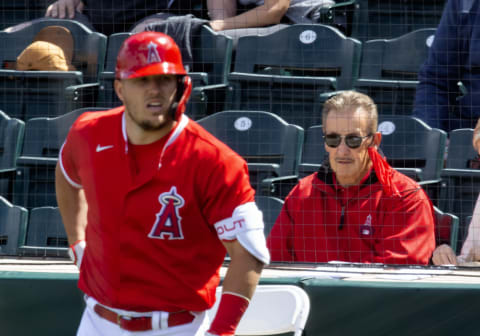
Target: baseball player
151 202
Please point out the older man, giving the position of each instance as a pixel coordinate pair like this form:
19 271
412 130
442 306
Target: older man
357 208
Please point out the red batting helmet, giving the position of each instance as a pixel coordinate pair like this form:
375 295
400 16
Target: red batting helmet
154 53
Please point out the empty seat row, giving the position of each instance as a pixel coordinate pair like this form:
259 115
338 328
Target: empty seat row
38 232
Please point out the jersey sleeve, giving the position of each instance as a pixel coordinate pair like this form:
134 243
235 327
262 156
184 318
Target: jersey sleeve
226 188
68 158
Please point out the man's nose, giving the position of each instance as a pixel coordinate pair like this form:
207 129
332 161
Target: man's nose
343 148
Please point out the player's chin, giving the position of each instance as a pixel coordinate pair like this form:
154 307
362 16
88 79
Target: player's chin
148 125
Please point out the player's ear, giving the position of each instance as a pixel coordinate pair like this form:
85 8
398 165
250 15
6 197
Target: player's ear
118 86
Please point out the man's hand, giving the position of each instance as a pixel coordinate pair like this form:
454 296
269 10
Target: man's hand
444 255
62 9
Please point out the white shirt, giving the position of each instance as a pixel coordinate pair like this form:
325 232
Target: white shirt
471 247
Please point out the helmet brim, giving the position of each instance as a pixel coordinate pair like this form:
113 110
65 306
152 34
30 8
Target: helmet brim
162 68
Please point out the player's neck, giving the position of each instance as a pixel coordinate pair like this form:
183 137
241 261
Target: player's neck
139 136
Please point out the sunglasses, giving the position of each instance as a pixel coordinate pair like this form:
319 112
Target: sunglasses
351 140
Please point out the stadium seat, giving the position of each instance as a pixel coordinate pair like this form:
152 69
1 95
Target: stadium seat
270 207
446 228
386 19
273 310
271 147
29 94
11 141
461 184
412 147
389 68
35 176
211 53
13 222
288 72
45 235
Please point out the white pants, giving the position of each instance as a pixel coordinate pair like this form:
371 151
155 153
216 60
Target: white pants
94 325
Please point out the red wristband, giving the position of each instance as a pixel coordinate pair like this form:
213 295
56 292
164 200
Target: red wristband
230 311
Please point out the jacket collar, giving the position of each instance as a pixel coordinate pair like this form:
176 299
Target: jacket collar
325 175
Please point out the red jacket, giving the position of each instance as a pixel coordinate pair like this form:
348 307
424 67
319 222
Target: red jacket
322 221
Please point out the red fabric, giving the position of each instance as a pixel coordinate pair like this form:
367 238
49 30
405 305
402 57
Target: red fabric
195 182
377 228
383 171
230 311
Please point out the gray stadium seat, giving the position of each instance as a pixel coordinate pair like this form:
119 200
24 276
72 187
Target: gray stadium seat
389 69
271 147
461 184
45 234
11 141
13 222
288 71
35 176
270 207
29 94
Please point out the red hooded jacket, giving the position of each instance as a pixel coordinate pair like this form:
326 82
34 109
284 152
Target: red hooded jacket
321 221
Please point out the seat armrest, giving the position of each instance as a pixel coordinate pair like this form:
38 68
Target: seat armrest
278 186
82 95
209 99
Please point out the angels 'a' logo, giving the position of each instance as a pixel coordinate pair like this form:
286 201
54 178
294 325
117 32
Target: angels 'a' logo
168 222
153 56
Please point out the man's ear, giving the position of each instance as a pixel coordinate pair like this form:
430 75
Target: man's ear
118 86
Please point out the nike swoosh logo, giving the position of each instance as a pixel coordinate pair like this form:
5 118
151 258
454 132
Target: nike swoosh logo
102 148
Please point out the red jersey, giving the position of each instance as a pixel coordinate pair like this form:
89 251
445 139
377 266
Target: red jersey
151 241
322 221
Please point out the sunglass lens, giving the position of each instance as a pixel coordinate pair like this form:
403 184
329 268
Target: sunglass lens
333 140
353 141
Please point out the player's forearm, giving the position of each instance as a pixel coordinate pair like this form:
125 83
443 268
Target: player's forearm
243 272
73 207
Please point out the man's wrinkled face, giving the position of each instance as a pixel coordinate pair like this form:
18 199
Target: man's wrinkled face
349 164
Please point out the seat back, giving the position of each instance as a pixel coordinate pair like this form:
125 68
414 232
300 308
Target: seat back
389 70
270 207
461 183
11 135
11 141
446 228
89 47
29 94
385 19
286 72
35 177
460 149
45 235
412 147
270 146
314 153
273 310
13 222
303 50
